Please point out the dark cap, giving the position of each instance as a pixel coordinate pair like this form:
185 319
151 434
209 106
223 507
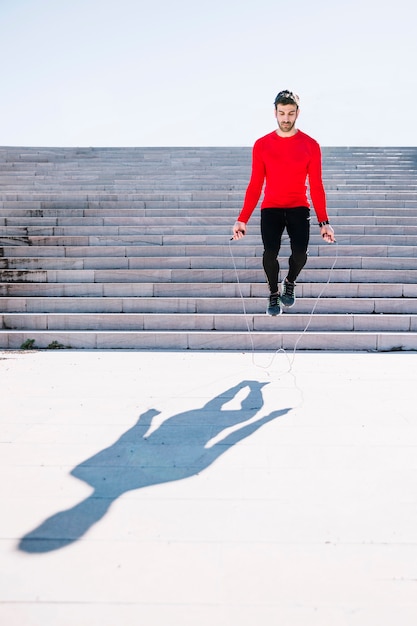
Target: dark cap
287 97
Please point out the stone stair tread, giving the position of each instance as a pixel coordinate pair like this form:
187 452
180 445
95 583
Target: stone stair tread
226 340
150 289
186 250
190 275
168 305
197 239
202 262
215 322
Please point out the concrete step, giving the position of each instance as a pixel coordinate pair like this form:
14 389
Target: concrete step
182 223
209 340
215 305
336 199
365 216
241 252
196 239
203 290
347 212
288 322
195 262
194 276
189 228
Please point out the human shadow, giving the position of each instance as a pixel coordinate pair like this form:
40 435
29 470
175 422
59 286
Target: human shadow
147 454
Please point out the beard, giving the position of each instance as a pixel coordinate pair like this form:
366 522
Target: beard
286 127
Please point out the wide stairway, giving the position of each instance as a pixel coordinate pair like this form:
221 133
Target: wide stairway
129 248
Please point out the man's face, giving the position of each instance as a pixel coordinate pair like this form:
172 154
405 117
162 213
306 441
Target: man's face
286 115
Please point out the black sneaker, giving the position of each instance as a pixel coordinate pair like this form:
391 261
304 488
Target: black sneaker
288 295
274 305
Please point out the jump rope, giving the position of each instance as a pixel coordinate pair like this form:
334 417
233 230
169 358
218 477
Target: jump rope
291 358
282 350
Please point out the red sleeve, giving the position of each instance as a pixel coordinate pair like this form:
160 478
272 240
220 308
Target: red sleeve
256 183
317 193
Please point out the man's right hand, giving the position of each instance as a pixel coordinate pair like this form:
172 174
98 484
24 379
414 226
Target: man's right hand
239 230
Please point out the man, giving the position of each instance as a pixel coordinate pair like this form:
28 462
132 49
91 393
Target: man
284 159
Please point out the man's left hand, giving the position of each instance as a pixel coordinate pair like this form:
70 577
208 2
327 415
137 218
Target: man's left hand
327 232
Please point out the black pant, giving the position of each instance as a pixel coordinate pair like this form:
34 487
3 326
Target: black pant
273 224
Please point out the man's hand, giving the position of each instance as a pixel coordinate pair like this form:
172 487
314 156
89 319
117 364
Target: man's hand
327 232
239 230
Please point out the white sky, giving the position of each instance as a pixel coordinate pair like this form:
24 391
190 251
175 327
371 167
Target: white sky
205 73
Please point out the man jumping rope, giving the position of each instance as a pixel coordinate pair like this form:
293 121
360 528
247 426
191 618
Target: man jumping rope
284 159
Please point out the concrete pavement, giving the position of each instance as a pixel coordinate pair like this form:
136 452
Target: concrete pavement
226 488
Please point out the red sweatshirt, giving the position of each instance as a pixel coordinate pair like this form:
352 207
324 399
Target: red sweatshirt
285 163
